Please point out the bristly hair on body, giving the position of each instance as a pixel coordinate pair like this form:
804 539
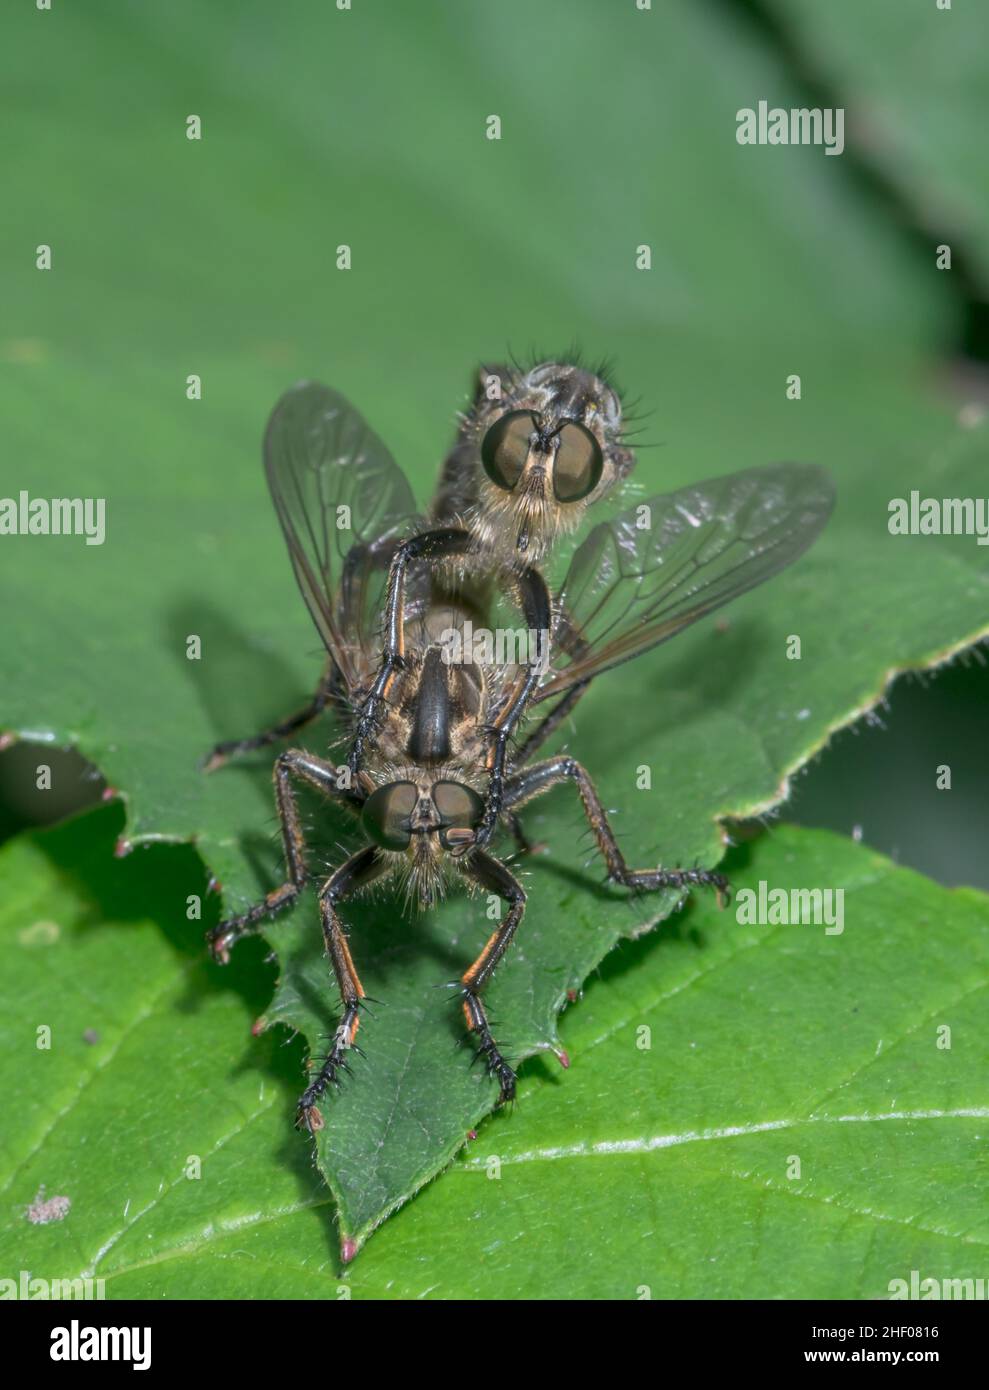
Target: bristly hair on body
530 458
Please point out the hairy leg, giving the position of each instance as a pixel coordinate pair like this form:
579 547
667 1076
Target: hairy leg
307 768
496 878
533 781
360 869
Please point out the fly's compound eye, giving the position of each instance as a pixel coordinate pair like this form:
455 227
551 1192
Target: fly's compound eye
579 463
505 448
460 808
386 813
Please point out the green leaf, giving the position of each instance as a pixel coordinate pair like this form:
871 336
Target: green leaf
217 258
912 81
668 1167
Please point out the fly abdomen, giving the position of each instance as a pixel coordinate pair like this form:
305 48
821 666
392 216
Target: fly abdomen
429 740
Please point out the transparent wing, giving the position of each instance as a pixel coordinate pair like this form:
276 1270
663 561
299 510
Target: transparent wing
644 576
343 503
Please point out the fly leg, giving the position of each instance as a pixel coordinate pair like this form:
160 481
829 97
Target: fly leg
551 721
495 877
569 640
331 683
232 748
306 768
533 781
430 545
359 870
536 740
535 604
572 644
523 845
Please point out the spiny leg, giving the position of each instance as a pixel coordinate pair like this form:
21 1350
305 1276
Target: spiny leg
307 768
359 870
496 878
430 545
533 781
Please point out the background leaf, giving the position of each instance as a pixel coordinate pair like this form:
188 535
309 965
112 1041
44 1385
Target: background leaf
913 78
766 1043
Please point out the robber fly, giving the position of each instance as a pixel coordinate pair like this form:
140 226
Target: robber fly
419 769
535 451
538 448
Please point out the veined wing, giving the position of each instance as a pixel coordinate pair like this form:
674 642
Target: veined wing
645 575
342 502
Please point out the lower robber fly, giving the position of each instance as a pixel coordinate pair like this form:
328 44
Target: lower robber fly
431 772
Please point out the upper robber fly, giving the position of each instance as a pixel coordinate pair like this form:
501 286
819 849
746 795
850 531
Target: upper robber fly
536 450
548 441
419 782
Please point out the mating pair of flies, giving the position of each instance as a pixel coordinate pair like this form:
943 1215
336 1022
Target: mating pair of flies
436 761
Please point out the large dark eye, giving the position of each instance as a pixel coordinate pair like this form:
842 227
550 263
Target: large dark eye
386 813
506 446
460 808
579 464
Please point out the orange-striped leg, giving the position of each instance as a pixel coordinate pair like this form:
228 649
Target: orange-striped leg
322 775
491 874
359 870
